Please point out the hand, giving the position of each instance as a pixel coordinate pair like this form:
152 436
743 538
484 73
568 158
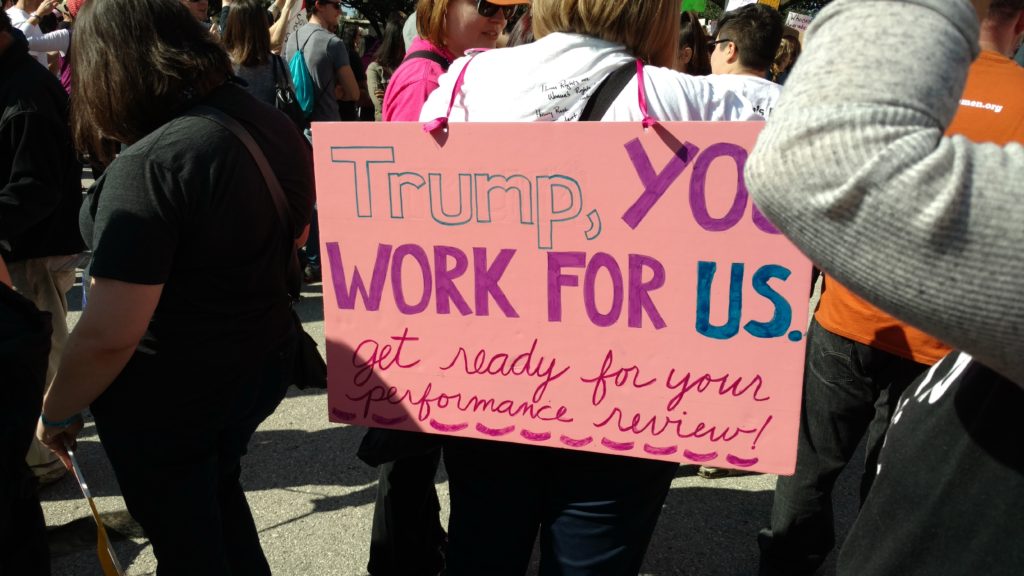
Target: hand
45 8
378 94
58 439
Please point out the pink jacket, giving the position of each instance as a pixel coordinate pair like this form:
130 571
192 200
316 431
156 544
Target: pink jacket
411 83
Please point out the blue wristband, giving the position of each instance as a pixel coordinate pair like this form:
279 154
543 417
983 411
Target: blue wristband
60 424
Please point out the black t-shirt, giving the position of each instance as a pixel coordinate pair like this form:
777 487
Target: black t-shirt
188 208
949 497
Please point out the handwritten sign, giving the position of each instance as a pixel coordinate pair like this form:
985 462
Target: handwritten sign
588 286
798 21
296 19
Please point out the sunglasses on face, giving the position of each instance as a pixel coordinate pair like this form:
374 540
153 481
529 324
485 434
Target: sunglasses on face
713 43
486 9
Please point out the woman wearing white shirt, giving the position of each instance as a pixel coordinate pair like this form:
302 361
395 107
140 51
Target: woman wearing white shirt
25 16
595 512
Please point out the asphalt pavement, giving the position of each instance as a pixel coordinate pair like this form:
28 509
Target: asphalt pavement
313 500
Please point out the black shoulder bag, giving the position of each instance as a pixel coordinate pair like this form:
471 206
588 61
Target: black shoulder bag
310 369
284 94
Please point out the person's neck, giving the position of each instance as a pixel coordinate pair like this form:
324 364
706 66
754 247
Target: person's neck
993 45
315 19
998 37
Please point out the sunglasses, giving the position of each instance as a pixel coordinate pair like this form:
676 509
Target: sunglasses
713 43
487 9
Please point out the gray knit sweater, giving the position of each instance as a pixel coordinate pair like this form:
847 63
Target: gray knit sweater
854 168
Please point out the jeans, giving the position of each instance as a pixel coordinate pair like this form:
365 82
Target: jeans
595 512
179 471
849 389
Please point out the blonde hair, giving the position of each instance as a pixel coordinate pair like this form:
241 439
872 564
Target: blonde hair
649 29
430 20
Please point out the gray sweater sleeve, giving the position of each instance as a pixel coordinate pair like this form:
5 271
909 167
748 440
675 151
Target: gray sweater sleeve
854 168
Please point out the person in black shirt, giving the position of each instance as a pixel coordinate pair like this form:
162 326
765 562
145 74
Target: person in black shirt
175 332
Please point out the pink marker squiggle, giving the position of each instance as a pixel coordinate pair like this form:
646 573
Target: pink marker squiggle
620 446
535 436
695 457
741 462
660 450
342 415
576 443
440 427
388 421
495 432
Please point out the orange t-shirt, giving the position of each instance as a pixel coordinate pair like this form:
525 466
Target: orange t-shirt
991 110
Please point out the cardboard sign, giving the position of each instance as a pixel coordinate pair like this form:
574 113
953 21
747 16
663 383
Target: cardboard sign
798 21
734 4
296 19
587 286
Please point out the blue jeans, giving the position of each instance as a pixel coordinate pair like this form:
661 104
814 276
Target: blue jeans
849 389
595 512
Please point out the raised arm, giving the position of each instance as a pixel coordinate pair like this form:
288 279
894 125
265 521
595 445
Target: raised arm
854 168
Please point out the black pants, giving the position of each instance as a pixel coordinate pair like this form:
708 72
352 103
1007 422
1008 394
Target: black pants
407 537
849 389
595 512
24 349
180 474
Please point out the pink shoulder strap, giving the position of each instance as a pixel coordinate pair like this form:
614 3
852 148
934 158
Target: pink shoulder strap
442 122
648 121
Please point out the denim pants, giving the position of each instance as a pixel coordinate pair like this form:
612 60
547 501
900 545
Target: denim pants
849 389
595 512
179 469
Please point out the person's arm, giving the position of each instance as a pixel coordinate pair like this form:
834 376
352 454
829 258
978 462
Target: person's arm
854 168
279 29
33 188
347 87
56 41
98 349
33 19
375 84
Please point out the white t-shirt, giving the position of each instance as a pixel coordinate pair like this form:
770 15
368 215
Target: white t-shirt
552 79
38 43
762 93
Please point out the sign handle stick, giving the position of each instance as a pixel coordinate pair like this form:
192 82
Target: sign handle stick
105 552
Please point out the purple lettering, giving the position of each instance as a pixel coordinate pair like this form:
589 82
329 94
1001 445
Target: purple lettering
557 261
698 183
444 278
487 279
598 261
655 185
639 291
344 294
420 256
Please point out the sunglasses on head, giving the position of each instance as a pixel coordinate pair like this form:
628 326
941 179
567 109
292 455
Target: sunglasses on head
487 9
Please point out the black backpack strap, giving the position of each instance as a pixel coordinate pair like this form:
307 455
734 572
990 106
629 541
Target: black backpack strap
432 56
602 97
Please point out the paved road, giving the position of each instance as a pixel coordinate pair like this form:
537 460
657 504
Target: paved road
313 500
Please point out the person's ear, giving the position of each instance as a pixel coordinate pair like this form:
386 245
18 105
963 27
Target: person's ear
1018 27
731 54
685 55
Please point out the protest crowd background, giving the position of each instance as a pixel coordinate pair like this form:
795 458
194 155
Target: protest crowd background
163 274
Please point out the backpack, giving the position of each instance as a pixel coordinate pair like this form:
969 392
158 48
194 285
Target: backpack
305 89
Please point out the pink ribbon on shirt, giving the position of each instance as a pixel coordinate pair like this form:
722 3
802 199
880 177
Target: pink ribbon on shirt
442 122
648 121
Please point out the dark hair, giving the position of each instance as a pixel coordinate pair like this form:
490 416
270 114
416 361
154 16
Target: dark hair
348 36
247 33
1002 10
691 34
392 48
138 63
756 30
522 32
5 21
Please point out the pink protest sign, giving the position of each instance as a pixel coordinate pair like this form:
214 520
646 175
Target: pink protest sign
587 286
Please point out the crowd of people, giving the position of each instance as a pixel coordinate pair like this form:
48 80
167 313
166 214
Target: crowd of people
889 159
